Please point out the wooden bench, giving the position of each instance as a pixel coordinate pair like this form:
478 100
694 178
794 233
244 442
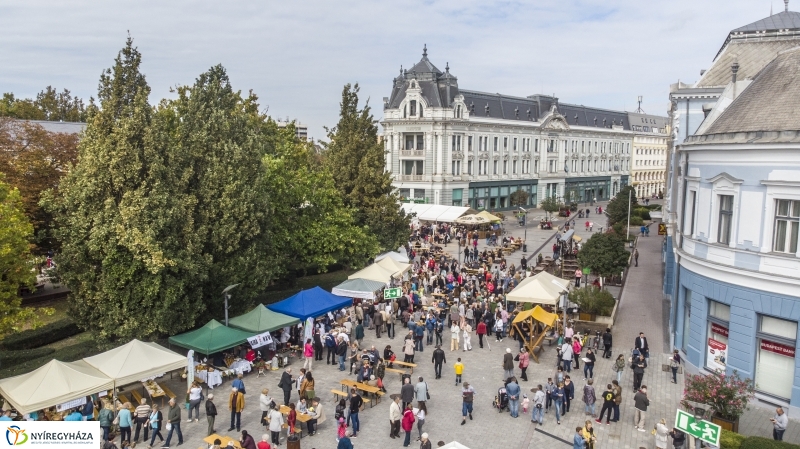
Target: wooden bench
337 393
297 430
136 397
167 391
395 370
407 364
123 399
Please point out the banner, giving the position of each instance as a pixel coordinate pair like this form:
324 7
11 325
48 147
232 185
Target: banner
53 434
190 368
777 348
717 354
71 404
260 340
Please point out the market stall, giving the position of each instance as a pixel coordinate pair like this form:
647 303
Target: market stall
373 272
391 264
543 288
533 324
261 319
358 288
136 361
399 256
211 338
53 384
310 303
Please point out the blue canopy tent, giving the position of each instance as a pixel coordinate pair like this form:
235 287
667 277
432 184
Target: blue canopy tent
310 303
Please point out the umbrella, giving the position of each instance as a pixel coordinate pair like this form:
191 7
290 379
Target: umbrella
472 219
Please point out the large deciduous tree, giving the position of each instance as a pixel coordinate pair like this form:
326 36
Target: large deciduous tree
551 204
617 209
15 260
356 160
49 104
605 254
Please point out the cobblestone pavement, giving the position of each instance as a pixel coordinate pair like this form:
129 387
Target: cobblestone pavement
640 309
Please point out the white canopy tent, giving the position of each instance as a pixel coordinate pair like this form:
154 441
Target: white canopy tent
398 256
135 361
373 272
358 288
544 288
435 212
391 264
53 384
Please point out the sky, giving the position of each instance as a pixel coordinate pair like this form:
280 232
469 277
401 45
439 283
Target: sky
297 55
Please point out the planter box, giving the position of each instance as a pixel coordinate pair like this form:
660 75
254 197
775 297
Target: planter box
726 424
586 316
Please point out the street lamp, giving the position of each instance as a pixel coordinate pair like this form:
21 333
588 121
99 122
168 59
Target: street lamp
227 296
564 301
525 239
628 229
699 415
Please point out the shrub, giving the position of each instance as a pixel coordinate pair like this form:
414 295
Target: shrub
15 357
642 212
727 395
66 354
730 440
41 336
766 443
593 300
636 221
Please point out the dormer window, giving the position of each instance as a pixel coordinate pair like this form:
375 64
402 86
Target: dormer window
413 111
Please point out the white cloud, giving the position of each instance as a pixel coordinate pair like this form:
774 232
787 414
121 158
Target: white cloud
297 55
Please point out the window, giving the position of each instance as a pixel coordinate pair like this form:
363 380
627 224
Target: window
420 142
457 168
469 143
687 315
535 145
787 221
719 316
536 166
505 143
413 167
413 111
496 144
494 172
725 219
777 340
457 196
515 144
514 167
505 167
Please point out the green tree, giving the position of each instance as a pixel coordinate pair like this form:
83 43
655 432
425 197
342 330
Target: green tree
15 261
49 104
605 254
593 300
519 198
617 209
355 158
550 204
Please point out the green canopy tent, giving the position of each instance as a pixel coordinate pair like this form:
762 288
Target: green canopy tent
211 338
261 319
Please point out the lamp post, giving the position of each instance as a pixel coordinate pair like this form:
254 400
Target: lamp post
227 296
628 229
525 239
699 415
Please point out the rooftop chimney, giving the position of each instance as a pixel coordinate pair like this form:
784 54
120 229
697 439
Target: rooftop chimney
734 70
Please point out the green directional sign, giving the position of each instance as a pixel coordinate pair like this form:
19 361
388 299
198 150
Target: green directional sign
704 430
392 293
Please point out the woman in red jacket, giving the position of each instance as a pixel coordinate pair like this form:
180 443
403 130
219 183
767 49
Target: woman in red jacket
481 331
408 424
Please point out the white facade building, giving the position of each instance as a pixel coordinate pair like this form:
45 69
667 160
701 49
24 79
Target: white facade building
649 154
450 146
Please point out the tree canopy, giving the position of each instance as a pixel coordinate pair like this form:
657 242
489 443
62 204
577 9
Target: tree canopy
49 104
617 209
550 204
356 160
605 254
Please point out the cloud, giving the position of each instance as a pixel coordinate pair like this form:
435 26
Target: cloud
297 55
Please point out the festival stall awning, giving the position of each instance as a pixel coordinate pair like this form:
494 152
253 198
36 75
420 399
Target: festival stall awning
52 384
211 338
358 288
435 212
373 272
310 303
544 288
472 220
538 314
135 361
261 319
567 235
398 256
488 216
391 264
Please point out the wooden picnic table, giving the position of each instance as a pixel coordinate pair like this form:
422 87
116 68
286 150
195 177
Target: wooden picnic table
407 364
375 391
223 438
301 418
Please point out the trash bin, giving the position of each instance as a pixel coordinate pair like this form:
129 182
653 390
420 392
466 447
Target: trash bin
293 442
524 247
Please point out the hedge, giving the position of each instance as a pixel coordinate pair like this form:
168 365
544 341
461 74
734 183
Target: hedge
15 357
766 443
642 212
41 336
636 221
66 354
730 440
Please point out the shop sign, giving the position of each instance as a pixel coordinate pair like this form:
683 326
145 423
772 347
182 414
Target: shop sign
777 348
717 354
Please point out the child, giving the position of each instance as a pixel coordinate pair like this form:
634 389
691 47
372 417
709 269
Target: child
341 431
459 367
525 403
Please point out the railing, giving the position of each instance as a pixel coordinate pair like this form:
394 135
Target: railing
409 177
412 153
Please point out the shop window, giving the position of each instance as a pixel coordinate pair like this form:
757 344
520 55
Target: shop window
687 315
719 316
777 340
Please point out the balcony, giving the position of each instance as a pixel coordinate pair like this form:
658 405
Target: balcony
409 177
412 153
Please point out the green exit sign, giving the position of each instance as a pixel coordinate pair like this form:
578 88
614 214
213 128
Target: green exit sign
704 430
392 293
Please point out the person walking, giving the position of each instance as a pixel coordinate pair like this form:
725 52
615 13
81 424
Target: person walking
481 331
678 438
211 413
425 442
286 384
275 419
662 434
154 423
408 424
589 397
638 372
106 419
420 414
524 361
636 257
141 415
454 331
421 392
308 354
779 423
195 397
355 406
395 415
514 393
617 399
674 363
640 402
566 354
341 353
236 405
407 392
608 404
588 364
125 422
508 365
619 366
537 412
437 359
467 398
578 442
558 399
467 337
459 369
569 394
498 330
265 404
641 344
174 423
607 340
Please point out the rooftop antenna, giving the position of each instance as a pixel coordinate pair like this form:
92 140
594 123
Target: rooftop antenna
786 3
639 110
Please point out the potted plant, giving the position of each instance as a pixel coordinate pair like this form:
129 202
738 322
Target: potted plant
725 395
592 302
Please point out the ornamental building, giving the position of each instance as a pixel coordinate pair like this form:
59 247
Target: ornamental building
732 262
450 146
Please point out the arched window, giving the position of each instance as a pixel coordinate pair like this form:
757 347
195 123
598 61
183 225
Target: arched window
420 110
413 111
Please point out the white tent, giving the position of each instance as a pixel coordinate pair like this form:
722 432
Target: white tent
135 361
435 212
373 272
454 445
52 384
391 264
544 288
397 256
358 288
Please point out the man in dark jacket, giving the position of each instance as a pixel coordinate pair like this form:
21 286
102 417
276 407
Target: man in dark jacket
341 352
407 392
174 420
641 402
641 345
211 413
286 385
607 343
437 359
330 346
638 367
377 320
